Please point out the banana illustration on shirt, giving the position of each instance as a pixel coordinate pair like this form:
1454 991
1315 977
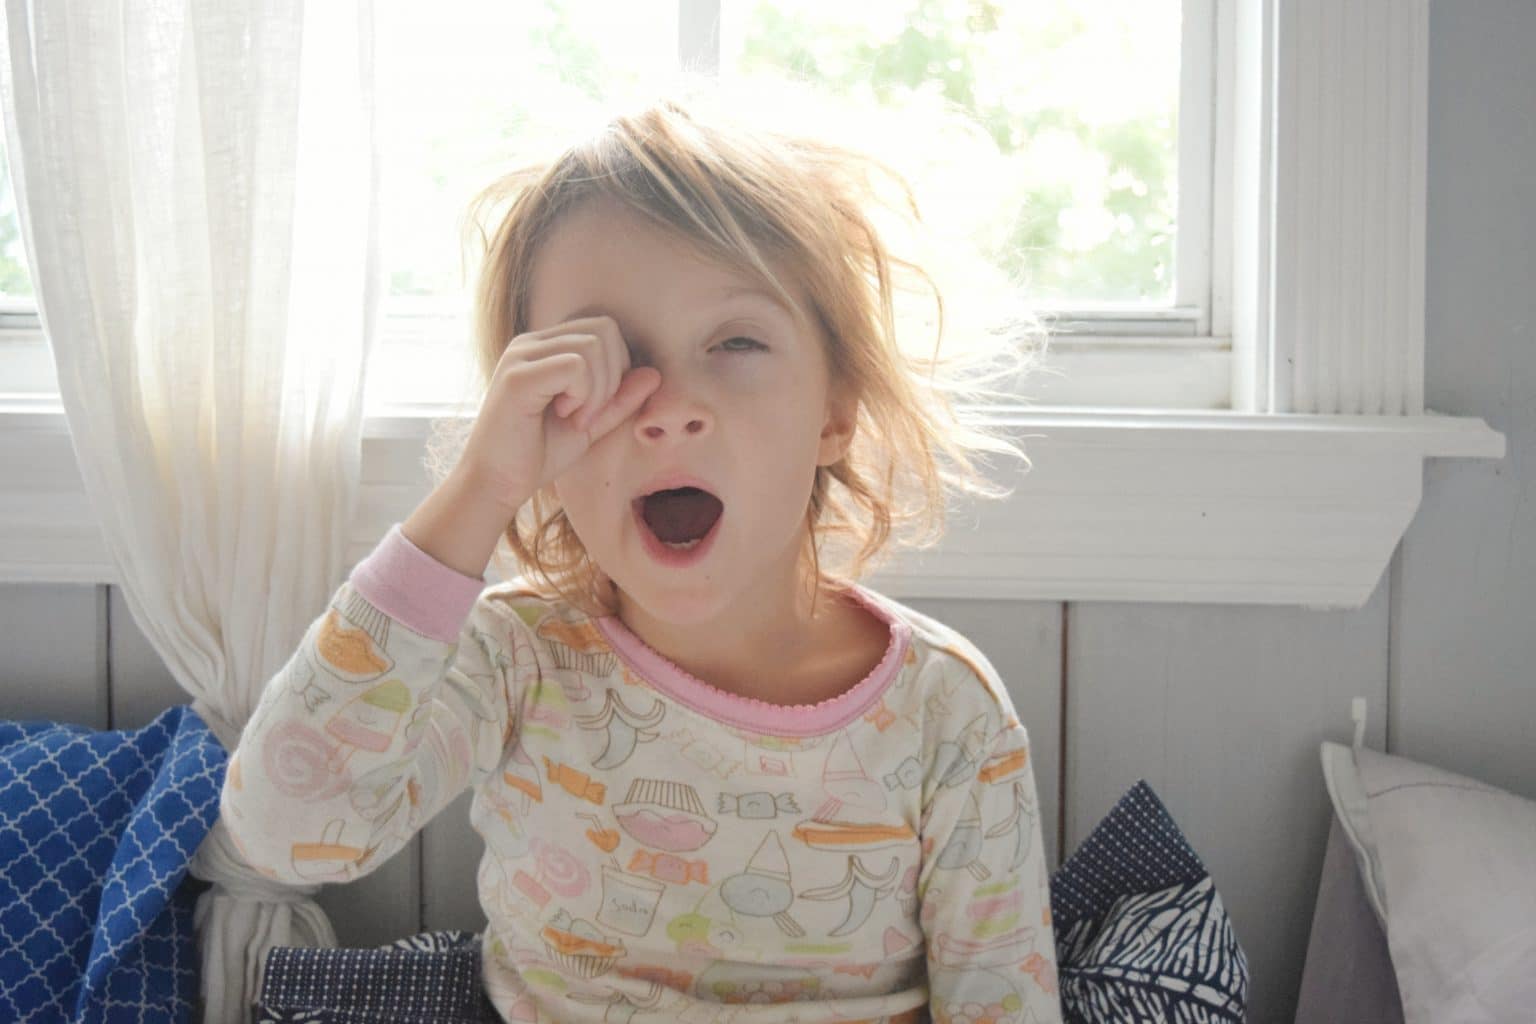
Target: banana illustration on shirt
626 729
862 887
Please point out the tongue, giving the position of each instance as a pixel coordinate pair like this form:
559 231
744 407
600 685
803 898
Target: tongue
682 515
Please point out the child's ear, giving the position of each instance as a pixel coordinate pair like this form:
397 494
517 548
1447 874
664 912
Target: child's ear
837 433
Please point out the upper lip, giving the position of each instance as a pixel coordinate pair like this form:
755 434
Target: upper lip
672 481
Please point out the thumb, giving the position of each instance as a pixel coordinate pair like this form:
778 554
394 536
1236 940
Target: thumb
638 385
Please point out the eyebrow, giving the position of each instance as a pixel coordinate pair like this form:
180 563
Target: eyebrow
729 295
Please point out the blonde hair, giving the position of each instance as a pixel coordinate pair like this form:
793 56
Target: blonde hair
744 196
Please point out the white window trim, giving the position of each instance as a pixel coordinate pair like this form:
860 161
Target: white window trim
1298 495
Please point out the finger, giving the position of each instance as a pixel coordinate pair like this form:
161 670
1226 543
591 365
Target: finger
558 382
638 385
599 354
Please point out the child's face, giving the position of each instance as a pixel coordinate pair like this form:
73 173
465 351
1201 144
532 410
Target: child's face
754 424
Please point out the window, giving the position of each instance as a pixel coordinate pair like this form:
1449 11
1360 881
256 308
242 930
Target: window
1083 183
1073 191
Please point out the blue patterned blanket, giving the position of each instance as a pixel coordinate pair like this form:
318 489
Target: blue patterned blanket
96 832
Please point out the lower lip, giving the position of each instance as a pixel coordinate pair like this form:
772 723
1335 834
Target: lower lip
675 558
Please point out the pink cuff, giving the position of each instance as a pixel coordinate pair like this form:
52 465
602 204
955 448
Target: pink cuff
412 587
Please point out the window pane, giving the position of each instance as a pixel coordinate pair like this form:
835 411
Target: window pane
460 81
1079 101
15 282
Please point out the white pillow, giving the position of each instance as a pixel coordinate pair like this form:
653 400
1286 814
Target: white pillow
1449 866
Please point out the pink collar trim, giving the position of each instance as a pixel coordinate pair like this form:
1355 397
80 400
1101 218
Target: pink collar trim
759 715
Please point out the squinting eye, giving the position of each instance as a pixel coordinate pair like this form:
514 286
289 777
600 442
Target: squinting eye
753 343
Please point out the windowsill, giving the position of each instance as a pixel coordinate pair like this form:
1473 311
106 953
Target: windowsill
1118 505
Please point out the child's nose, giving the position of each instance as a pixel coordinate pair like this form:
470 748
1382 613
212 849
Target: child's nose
673 411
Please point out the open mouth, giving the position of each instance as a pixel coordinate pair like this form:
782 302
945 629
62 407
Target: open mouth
679 518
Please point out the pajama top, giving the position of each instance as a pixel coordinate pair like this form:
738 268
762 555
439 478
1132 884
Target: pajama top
657 849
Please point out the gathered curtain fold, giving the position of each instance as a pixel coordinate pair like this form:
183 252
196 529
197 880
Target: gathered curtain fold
197 187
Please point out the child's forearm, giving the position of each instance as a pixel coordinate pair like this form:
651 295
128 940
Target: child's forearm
457 526
391 705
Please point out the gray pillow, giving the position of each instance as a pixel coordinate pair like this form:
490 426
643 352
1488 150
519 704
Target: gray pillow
1448 866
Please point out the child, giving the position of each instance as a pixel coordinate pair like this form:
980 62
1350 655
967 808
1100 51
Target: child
716 782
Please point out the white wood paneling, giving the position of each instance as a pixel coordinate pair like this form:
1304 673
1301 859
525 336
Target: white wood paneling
142 686
1222 709
1464 649
53 653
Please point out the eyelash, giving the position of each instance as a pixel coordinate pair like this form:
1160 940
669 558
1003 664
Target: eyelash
755 344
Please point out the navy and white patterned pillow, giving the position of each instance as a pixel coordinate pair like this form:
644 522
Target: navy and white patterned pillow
1141 933
97 829
429 978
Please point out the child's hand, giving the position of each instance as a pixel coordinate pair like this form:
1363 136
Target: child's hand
554 394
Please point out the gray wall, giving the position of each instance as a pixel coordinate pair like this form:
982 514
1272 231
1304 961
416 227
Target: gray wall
1220 708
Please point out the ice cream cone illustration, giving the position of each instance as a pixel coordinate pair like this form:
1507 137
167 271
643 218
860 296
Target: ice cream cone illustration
763 889
850 791
850 816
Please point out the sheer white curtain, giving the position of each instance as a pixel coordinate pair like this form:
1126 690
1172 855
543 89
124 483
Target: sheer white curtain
197 189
